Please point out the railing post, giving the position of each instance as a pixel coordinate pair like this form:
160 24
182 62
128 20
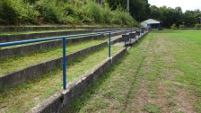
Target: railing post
125 39
64 63
130 36
109 44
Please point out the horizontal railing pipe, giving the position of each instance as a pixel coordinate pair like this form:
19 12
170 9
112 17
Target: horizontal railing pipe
64 46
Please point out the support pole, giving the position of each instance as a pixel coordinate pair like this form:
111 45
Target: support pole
125 39
109 44
64 63
128 5
130 36
159 26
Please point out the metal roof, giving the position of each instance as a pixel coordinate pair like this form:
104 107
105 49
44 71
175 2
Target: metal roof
151 21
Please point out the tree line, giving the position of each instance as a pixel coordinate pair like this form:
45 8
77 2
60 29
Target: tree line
14 12
142 10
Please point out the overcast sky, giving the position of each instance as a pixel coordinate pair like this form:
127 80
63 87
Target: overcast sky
184 4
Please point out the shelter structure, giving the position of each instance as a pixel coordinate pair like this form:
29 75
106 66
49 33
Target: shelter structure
147 23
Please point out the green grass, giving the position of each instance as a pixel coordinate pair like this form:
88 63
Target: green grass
151 108
41 31
114 90
23 97
161 74
171 103
15 63
187 55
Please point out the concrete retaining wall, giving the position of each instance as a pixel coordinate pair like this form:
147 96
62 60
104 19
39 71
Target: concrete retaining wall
31 72
17 37
60 100
28 73
38 28
10 38
10 52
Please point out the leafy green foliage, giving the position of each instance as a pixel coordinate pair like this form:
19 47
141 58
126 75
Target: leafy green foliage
51 12
139 9
170 16
182 27
60 12
173 27
197 26
16 12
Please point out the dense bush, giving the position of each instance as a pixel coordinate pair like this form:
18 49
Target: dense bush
15 12
173 27
197 26
182 27
50 12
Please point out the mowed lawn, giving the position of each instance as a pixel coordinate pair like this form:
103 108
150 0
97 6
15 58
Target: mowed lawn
161 74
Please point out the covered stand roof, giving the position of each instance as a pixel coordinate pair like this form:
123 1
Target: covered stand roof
151 21
148 22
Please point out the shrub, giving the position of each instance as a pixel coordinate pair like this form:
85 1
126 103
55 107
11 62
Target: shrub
173 26
94 11
107 14
123 18
61 12
182 27
50 12
197 26
16 12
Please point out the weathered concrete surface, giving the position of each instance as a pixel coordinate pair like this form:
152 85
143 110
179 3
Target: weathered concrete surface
38 28
33 71
17 37
132 40
61 100
11 52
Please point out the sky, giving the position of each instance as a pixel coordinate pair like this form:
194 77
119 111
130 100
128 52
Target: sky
184 4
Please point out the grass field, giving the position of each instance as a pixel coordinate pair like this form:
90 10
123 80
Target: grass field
161 74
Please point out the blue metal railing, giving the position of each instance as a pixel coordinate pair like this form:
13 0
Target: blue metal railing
64 45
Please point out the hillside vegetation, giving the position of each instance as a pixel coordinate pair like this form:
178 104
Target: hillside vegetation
36 12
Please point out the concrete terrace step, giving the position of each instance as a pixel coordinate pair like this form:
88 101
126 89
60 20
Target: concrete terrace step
25 96
60 100
131 41
25 49
46 94
18 37
28 73
38 28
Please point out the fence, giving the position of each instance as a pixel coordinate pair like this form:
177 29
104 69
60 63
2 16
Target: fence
63 38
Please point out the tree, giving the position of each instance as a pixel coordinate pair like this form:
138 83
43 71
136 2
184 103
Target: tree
139 9
114 4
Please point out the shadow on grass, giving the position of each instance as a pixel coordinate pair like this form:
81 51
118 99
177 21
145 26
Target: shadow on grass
134 82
